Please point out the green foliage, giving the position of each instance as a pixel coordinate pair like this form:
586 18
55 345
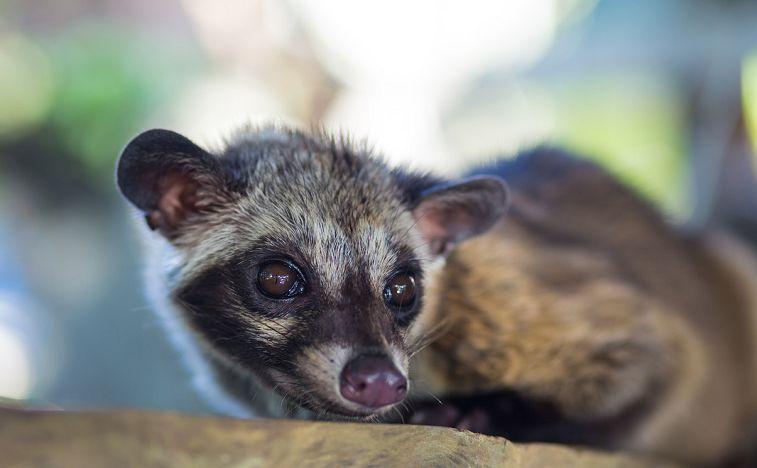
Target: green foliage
75 98
26 85
633 125
108 84
749 93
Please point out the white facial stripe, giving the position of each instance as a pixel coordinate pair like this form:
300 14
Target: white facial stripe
330 255
272 331
400 360
380 258
323 366
339 357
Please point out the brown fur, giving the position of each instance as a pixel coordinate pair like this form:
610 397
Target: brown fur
583 298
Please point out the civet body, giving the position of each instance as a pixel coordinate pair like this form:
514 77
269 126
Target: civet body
300 275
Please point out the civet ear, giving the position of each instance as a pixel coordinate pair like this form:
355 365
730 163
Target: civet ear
449 213
169 178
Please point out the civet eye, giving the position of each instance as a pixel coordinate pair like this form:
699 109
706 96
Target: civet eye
280 280
400 290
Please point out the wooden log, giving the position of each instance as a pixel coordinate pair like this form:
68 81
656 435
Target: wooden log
154 439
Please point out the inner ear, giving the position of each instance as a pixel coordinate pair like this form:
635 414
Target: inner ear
177 200
167 177
449 213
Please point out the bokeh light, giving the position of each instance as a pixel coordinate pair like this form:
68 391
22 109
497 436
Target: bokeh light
26 84
749 87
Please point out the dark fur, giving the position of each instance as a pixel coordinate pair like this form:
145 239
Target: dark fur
582 318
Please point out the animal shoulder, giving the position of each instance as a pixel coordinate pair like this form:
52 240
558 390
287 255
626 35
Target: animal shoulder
560 200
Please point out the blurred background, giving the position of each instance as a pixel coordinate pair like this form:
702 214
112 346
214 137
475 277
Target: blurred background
661 92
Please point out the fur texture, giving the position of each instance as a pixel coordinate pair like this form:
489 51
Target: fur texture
581 317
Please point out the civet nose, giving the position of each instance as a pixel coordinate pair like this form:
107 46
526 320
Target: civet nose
372 381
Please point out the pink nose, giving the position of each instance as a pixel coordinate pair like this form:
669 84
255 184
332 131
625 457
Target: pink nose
373 382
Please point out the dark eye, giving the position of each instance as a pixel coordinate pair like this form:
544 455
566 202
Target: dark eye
280 280
400 290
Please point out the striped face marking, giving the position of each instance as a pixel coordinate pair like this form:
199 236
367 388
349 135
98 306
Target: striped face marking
286 253
292 292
